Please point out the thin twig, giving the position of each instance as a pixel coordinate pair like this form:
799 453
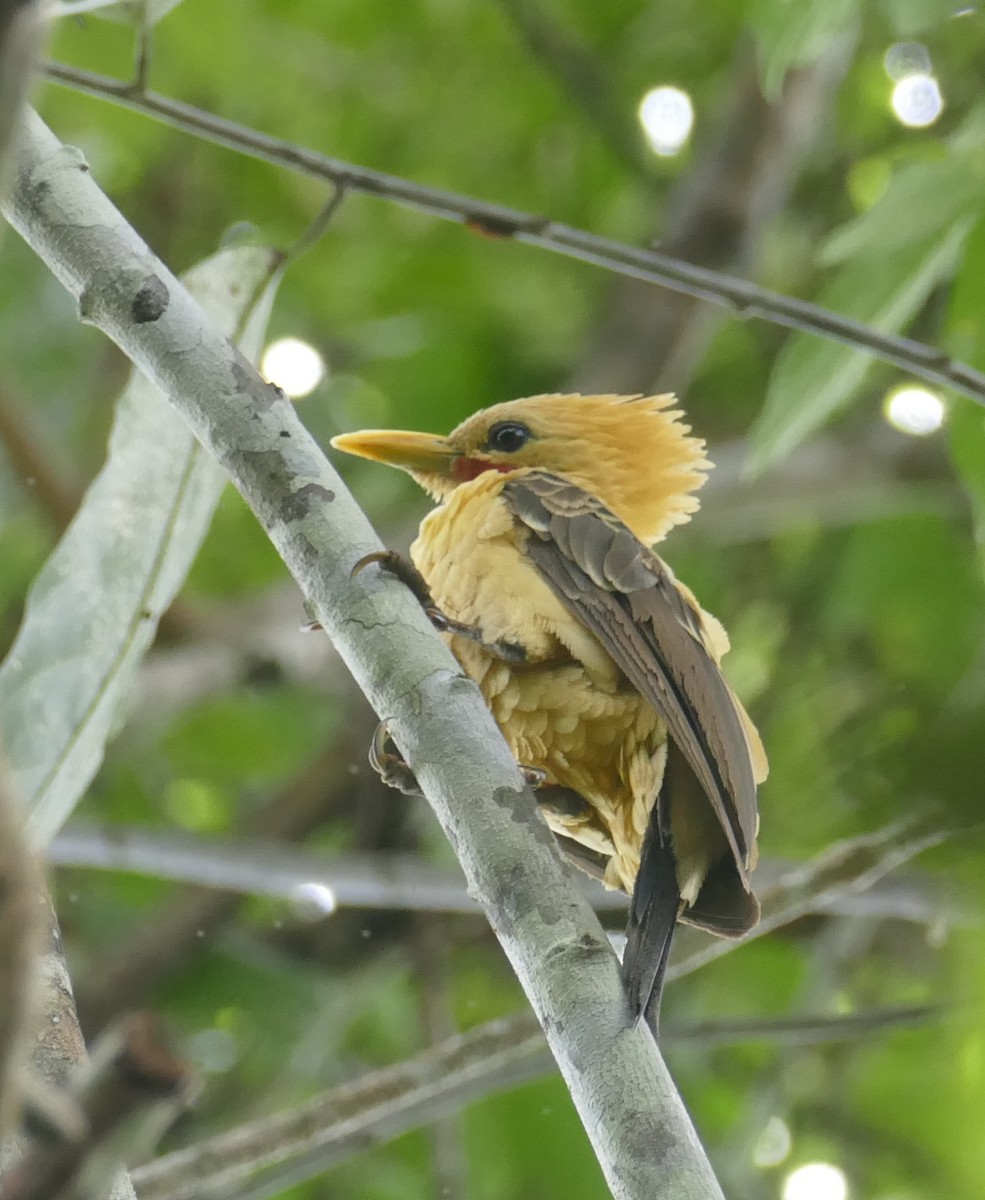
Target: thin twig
845 869
299 1143
333 1125
744 299
805 1029
143 38
311 236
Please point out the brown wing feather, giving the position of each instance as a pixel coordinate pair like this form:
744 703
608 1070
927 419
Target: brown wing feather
627 596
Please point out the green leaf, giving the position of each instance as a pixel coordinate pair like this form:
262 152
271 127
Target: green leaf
923 198
93 609
965 329
967 442
814 379
790 33
966 340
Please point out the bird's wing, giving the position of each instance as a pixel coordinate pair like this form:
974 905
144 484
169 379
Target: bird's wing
629 599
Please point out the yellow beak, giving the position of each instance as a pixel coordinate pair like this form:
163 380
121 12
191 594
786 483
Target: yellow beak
410 451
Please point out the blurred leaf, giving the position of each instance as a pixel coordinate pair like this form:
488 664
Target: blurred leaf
93 610
913 16
966 339
129 12
966 314
247 739
790 33
967 443
814 379
922 199
907 587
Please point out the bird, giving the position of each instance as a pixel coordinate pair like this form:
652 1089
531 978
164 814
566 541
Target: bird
599 666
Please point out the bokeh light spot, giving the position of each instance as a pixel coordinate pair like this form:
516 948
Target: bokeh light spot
816 1181
293 365
906 58
312 901
917 101
666 115
914 410
773 1144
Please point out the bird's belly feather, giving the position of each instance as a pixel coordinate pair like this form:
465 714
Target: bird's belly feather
566 710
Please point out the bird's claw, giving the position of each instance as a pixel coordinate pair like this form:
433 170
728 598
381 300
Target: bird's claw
403 569
312 624
391 768
533 777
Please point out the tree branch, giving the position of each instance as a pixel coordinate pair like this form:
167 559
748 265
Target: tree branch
305 1141
300 1143
127 1094
332 1126
625 1097
261 867
22 24
744 299
20 895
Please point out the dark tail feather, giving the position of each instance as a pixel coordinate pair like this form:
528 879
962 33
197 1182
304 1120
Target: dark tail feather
653 913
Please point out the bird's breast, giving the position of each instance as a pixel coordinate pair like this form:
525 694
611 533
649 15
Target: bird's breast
473 557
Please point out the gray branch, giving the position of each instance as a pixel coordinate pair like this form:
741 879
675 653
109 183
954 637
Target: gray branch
261 867
260 1158
22 25
638 1126
742 298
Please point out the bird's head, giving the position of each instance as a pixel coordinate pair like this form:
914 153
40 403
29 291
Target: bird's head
633 452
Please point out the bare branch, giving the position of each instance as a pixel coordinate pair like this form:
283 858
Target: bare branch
127 1095
625 1097
300 1143
404 881
844 870
20 895
336 1124
744 299
21 30
340 1123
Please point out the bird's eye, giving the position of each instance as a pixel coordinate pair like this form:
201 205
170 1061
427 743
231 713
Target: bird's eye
508 437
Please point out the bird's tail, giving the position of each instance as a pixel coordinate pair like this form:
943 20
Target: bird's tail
653 912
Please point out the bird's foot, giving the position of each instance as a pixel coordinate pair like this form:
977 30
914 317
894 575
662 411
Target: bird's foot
396 773
533 777
391 768
404 570
400 568
312 625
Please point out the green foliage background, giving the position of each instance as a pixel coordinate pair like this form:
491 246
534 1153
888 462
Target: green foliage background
847 568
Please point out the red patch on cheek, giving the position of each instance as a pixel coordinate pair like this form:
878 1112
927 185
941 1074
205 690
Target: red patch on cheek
463 469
